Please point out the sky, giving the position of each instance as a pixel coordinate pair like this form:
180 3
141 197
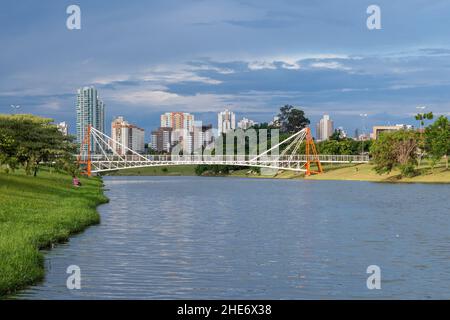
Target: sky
252 57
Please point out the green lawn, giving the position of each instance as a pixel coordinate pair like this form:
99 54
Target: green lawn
188 170
36 212
365 172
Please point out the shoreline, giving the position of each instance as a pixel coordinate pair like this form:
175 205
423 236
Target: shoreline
360 172
39 213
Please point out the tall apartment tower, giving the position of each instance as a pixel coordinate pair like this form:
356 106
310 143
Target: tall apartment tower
128 135
90 111
226 121
324 128
177 121
162 139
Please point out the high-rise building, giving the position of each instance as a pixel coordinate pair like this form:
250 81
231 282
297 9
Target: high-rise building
182 125
128 135
245 124
177 121
202 136
90 111
324 128
162 139
226 121
63 127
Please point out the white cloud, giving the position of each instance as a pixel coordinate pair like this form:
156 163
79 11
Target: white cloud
160 100
290 66
111 78
205 67
334 65
260 65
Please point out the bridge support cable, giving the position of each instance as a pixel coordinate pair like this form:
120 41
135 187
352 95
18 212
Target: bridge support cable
277 145
108 146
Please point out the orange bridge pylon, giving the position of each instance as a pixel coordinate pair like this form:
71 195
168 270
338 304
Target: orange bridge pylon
84 158
311 155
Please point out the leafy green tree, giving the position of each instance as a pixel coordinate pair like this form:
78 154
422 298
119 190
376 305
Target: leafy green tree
344 146
437 140
395 149
291 119
8 151
35 140
422 117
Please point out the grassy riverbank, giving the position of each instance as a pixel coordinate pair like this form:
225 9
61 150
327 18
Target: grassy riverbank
37 212
352 172
365 172
156 171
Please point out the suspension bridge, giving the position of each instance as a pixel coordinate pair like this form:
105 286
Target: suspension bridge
106 158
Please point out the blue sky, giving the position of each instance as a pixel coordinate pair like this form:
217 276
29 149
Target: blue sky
149 57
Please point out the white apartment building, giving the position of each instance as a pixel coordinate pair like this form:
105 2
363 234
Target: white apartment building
90 111
324 129
245 124
226 121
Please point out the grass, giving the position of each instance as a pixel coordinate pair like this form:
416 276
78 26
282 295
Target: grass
187 170
365 172
35 213
361 172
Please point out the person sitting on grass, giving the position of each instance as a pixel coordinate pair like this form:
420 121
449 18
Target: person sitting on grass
76 182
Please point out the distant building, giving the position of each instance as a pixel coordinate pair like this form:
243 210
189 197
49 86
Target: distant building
182 125
226 121
363 137
324 128
202 136
63 127
275 121
162 139
379 129
177 121
128 135
342 133
90 111
245 124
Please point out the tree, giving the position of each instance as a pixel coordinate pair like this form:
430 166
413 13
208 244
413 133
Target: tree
36 140
395 149
7 151
424 116
291 119
437 140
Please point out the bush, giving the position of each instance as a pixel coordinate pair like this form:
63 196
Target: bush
408 170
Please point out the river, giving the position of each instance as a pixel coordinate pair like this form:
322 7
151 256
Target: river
231 238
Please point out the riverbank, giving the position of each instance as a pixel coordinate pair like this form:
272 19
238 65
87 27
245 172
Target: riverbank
188 170
365 172
349 172
38 212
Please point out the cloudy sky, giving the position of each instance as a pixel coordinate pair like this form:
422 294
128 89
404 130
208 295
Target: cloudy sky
252 56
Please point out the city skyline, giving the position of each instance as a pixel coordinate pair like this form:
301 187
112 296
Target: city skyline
222 58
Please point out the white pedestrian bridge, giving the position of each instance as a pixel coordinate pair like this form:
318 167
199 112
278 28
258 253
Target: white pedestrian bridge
289 159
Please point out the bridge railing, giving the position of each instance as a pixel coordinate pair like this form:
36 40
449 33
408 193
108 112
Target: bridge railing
227 158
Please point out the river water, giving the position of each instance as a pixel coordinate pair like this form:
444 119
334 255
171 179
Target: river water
226 238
